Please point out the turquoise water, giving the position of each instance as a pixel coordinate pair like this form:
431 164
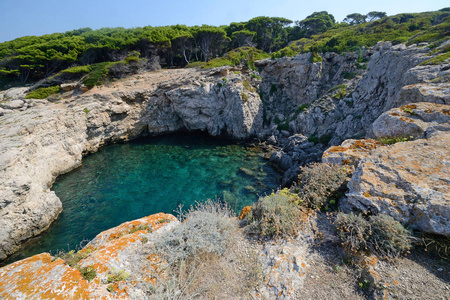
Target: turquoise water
123 182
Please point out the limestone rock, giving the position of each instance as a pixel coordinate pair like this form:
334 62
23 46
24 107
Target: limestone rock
119 249
408 181
350 152
49 139
67 87
412 120
15 104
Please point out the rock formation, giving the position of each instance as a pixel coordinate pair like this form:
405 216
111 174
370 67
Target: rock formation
320 103
47 140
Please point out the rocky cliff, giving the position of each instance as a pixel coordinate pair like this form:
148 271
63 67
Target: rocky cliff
303 107
42 139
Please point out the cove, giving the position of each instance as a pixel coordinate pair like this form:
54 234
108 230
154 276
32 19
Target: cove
123 182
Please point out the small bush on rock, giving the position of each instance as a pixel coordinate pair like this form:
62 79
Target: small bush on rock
321 184
202 255
272 216
208 228
380 234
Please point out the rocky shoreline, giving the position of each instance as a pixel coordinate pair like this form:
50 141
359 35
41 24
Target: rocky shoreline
302 109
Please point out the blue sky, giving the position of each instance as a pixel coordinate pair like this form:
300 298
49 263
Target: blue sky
37 17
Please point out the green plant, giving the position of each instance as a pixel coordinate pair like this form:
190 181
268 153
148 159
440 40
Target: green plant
207 228
86 110
42 93
248 86
110 288
88 273
273 89
144 240
321 185
196 64
408 110
117 276
388 237
72 258
273 216
381 234
140 227
244 97
394 140
325 139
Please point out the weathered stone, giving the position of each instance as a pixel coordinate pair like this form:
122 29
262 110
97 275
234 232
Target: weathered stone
15 104
409 181
45 141
67 87
272 140
412 120
119 249
350 152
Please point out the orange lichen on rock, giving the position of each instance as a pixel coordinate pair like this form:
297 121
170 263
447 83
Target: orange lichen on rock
41 277
244 212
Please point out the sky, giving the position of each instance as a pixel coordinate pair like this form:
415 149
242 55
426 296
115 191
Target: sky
37 17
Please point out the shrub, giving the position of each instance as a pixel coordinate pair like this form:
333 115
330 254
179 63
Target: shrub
389 238
43 93
72 258
88 273
380 234
208 228
202 255
354 231
117 276
321 184
273 216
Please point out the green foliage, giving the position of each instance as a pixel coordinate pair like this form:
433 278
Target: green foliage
202 253
86 111
321 185
437 60
273 216
315 57
313 24
88 273
139 228
340 91
77 70
243 55
273 89
380 234
196 64
302 108
208 228
97 74
117 276
72 258
394 140
244 97
431 27
313 139
43 93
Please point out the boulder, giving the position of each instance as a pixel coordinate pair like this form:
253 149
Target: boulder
409 181
350 152
412 120
15 104
120 249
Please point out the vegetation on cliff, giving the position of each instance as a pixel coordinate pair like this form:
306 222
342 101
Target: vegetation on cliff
32 58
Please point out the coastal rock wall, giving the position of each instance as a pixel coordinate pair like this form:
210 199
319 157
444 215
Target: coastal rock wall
49 139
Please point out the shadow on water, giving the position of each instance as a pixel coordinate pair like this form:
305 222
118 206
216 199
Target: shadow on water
123 182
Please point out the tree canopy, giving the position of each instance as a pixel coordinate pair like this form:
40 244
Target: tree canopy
37 57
